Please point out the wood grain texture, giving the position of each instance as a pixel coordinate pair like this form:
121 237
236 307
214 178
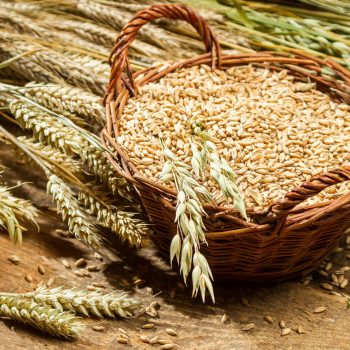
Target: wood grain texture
199 326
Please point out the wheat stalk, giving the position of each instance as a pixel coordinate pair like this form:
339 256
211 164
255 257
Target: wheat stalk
185 244
121 219
86 303
44 318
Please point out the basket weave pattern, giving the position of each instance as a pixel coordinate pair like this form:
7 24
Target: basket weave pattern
285 240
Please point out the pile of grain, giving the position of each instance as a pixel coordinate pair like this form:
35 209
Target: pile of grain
275 132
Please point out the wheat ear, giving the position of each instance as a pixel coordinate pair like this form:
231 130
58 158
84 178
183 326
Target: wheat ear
60 98
87 303
79 222
52 155
44 318
13 209
54 62
121 219
46 127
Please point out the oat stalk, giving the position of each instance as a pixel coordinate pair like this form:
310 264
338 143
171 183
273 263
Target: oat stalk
185 245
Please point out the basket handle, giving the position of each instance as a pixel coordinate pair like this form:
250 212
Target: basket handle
118 59
315 185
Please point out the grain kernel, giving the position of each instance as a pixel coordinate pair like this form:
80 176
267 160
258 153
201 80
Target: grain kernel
170 331
268 319
248 327
285 331
320 309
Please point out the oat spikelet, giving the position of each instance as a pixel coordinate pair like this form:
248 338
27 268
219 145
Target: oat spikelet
185 245
87 303
44 318
79 222
60 98
121 219
220 171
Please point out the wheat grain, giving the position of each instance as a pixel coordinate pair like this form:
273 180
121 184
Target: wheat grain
44 318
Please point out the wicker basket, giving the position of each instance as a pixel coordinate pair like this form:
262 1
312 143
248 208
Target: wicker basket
281 242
